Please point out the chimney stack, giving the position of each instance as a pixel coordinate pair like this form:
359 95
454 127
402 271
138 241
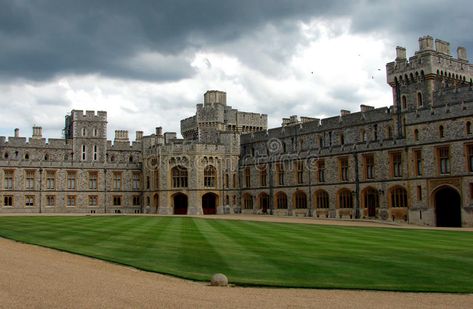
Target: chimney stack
17 132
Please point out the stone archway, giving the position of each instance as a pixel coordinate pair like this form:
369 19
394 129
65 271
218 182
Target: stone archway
447 203
264 202
209 203
180 204
370 201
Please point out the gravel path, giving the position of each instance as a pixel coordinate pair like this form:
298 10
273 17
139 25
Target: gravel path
36 277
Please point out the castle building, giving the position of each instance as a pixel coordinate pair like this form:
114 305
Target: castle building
409 162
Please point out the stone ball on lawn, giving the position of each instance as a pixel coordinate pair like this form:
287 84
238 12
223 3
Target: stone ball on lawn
219 280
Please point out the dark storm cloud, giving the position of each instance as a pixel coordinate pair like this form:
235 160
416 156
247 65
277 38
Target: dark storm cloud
44 38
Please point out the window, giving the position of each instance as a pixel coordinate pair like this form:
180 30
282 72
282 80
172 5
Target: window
93 180
210 174
375 132
227 181
441 132
419 193
363 136
179 177
136 200
71 200
8 183
396 164
84 152
136 181
322 199
93 200
321 171
444 160
345 199
84 132
471 192
343 162
280 173
416 135
50 180
147 182
29 200
389 132
263 175
95 151
398 197
29 181
281 200
418 162
8 200
95 132
248 201
156 180
342 139
117 181
419 100
404 102
469 151
369 166
50 200
117 200
300 199
247 177
71 180
300 172
468 127
234 181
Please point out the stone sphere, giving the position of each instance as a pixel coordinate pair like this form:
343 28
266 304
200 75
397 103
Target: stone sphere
219 280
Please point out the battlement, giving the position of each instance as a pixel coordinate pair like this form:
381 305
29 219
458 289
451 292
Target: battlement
212 97
432 60
89 115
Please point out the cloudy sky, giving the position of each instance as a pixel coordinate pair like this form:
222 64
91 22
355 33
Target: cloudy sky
148 62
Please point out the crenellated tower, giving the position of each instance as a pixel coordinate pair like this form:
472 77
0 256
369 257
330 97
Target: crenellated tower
415 81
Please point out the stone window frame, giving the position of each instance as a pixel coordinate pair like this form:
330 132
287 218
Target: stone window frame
442 154
210 176
398 197
247 177
136 200
322 199
247 201
263 176
321 171
9 180
8 200
136 181
71 179
117 180
93 180
50 200
368 166
93 200
396 168
418 162
343 168
30 177
300 200
469 157
71 200
280 173
299 171
51 179
29 200
345 199
179 176
281 200
117 200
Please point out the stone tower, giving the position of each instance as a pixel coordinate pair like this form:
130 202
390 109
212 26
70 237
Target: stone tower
88 135
416 81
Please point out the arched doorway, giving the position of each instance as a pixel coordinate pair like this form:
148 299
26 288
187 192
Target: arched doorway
180 204
447 207
264 202
209 204
371 201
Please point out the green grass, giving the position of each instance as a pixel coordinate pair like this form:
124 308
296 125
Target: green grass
264 254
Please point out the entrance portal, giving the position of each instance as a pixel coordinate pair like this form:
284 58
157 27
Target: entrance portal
264 202
209 204
180 204
371 201
448 207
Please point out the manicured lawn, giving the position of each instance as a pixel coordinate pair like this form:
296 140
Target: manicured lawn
267 254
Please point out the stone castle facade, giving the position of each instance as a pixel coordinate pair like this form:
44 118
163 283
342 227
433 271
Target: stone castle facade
409 162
